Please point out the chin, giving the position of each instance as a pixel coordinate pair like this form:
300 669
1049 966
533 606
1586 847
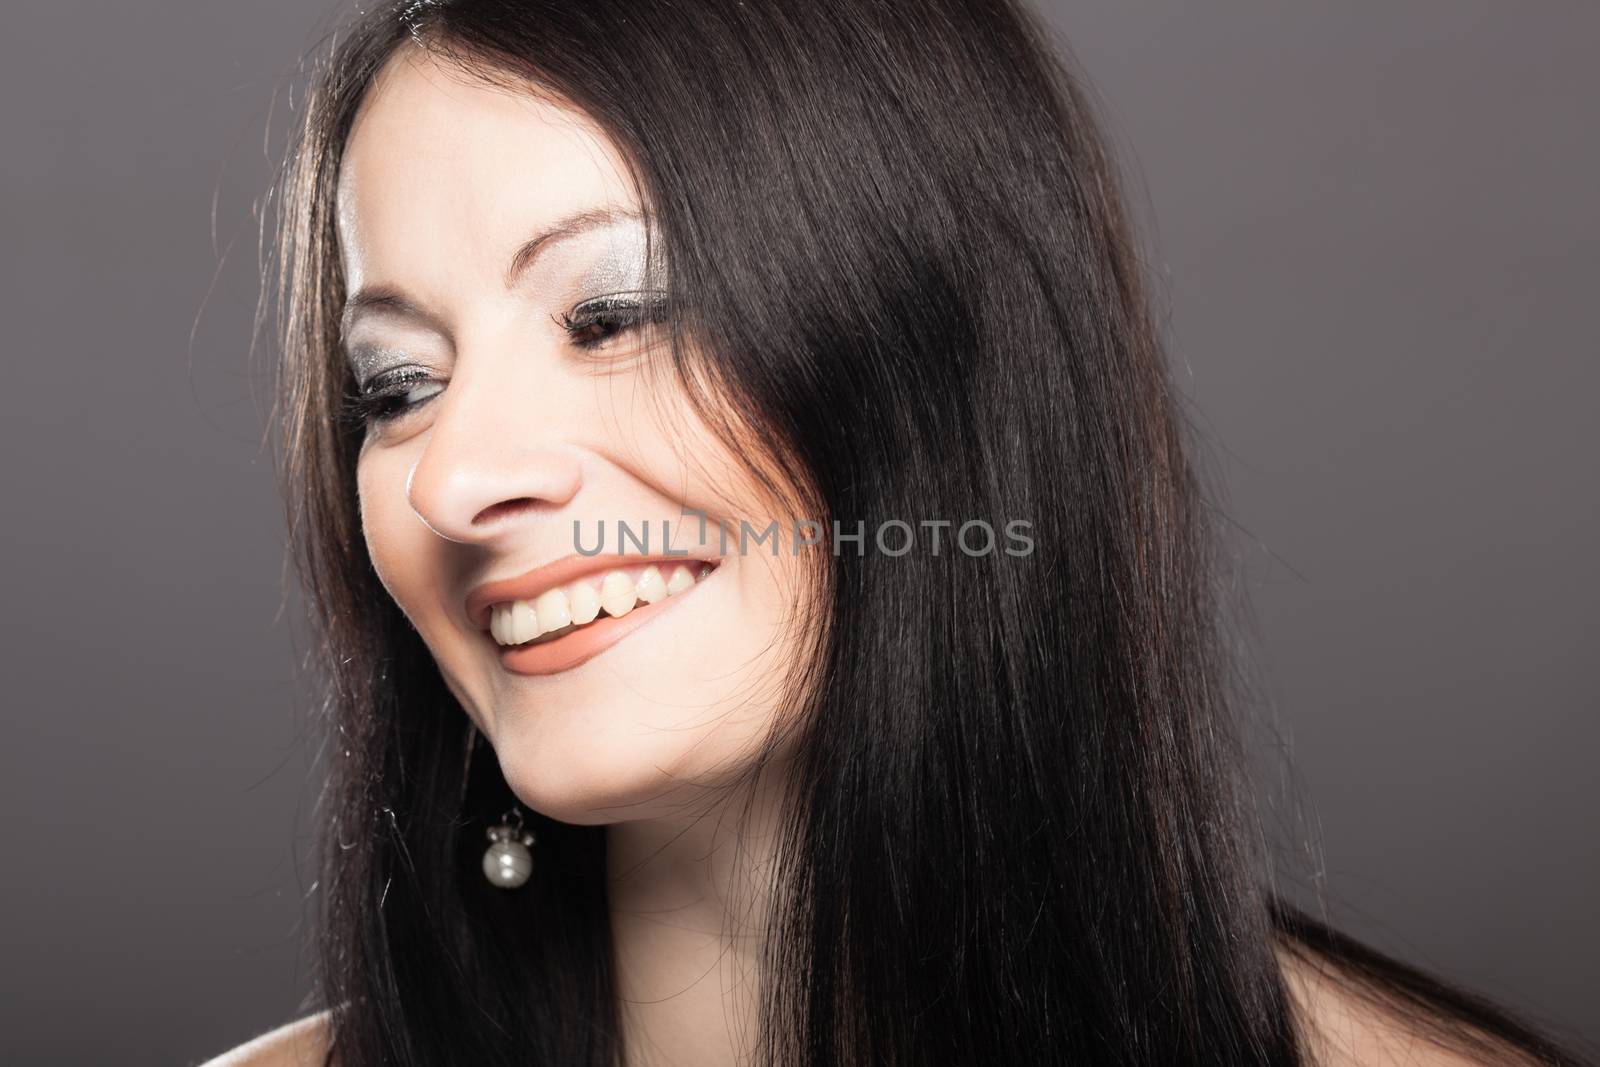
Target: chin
647 727
601 764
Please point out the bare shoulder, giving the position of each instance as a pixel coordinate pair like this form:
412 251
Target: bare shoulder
302 1043
1347 1029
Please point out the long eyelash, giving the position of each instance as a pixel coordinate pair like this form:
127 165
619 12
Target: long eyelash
383 398
615 312
381 401
358 410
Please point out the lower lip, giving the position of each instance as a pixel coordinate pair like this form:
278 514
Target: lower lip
582 645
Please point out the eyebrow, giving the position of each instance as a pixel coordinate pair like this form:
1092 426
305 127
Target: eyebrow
391 299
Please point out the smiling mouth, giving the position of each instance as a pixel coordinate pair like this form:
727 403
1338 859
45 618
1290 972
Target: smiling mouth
575 607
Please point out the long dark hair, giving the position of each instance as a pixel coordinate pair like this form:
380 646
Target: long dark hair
1019 829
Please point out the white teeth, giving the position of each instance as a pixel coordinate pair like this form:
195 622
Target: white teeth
585 603
553 612
652 589
681 580
518 622
524 622
617 594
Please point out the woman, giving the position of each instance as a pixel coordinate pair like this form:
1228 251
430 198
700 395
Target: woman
768 606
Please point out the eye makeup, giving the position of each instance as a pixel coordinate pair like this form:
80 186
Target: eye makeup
368 361
609 294
619 265
594 322
604 300
387 397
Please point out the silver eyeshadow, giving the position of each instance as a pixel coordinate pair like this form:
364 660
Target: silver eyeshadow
619 267
368 361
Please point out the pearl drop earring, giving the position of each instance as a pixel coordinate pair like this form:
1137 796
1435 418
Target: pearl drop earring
508 862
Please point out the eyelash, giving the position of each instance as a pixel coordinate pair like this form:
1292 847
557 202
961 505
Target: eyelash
616 311
383 399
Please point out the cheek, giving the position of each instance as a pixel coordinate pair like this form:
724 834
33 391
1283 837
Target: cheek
737 662
761 648
392 542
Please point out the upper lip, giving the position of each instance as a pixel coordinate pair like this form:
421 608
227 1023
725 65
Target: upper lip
528 586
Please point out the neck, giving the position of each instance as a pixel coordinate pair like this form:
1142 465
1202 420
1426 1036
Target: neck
689 897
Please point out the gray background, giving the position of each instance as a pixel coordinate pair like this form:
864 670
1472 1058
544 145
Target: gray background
1375 233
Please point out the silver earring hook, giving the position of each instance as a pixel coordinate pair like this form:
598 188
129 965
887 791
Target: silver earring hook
508 862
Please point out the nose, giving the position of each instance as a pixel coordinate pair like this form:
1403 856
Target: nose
493 465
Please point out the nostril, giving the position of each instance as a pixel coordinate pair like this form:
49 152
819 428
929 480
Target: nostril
503 510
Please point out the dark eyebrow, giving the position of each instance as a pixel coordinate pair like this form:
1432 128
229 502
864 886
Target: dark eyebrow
564 228
387 298
391 299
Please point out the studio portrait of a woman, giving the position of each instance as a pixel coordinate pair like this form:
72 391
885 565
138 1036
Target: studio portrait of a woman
764 578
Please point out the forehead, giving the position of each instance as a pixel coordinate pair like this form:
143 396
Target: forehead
443 176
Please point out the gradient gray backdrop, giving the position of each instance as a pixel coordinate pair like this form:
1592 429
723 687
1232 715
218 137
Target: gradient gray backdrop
1375 231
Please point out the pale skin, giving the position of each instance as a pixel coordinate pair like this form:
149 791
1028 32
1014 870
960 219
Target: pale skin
514 435
443 183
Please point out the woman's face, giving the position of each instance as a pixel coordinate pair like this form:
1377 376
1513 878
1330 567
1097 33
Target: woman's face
658 667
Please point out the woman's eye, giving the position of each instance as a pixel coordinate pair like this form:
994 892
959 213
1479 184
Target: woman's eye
590 325
388 396
594 322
